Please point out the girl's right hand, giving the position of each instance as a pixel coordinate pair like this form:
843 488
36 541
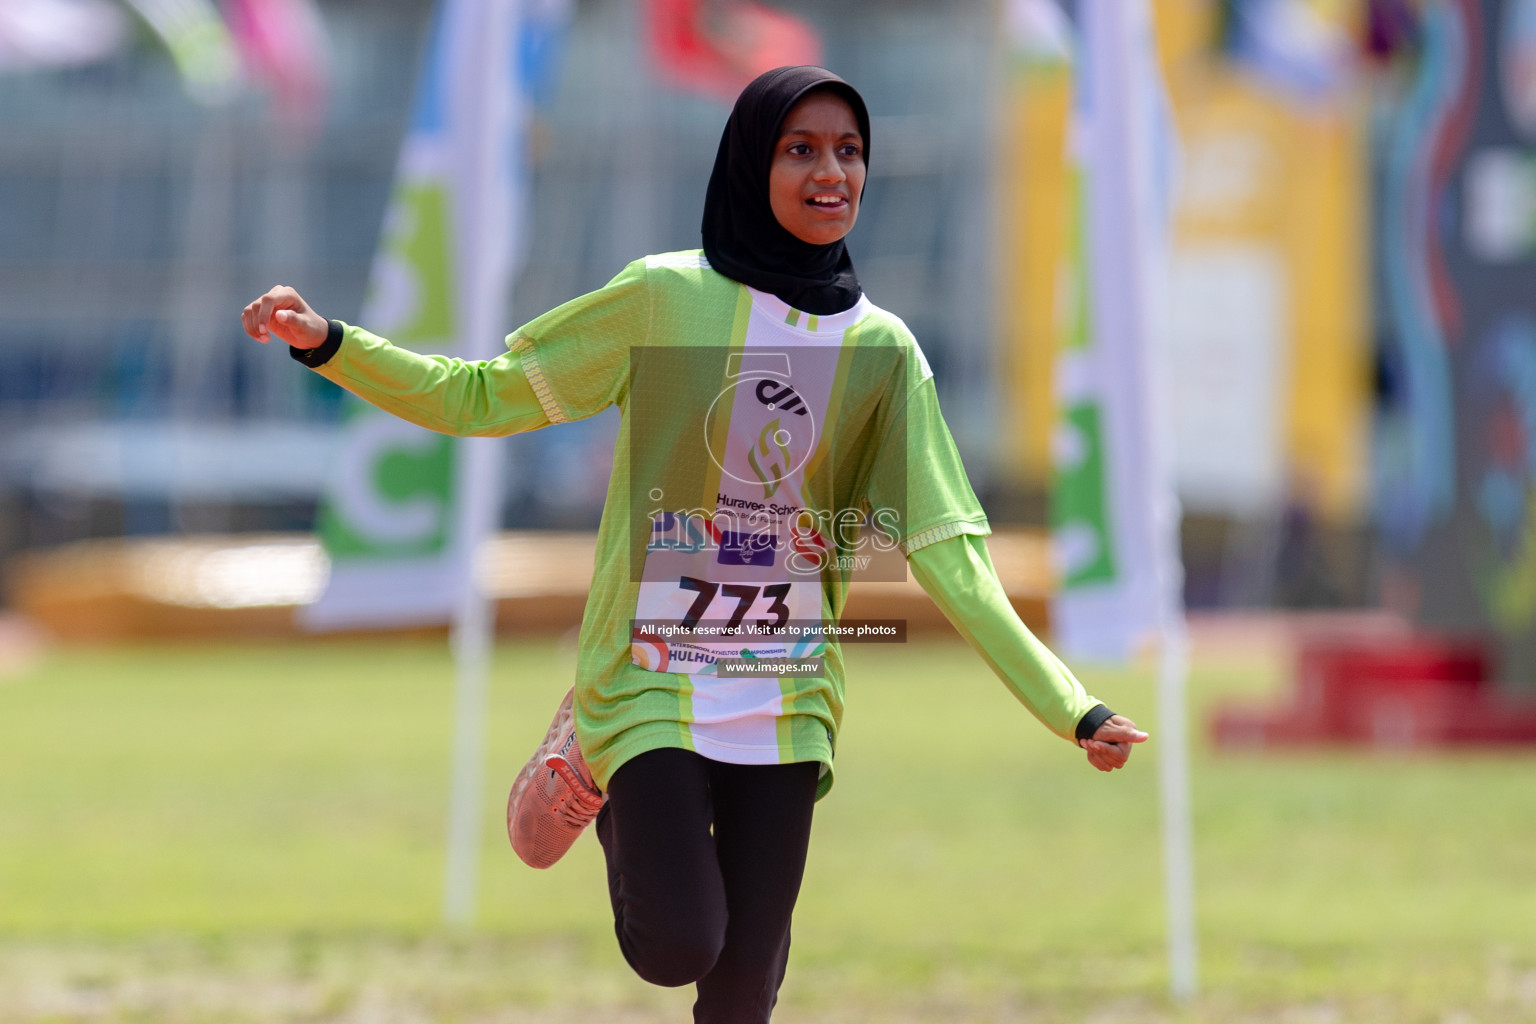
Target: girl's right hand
283 311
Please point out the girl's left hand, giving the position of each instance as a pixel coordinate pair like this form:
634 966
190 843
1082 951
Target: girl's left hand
1110 746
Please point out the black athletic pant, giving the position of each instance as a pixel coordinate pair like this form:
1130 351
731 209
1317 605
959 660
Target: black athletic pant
704 864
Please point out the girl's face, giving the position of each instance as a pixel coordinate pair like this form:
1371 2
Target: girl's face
817 173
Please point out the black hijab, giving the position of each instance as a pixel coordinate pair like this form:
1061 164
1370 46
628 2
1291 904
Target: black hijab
742 238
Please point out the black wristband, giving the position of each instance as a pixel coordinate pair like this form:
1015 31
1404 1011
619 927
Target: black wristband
1089 723
321 353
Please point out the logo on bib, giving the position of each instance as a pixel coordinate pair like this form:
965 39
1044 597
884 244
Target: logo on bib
773 446
768 441
747 548
783 398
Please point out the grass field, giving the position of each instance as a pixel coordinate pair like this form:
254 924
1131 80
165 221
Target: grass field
255 833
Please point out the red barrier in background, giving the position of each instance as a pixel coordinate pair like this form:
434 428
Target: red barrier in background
1410 692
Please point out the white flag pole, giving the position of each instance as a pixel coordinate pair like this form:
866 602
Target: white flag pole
473 641
1128 257
1129 59
1178 829
487 213
441 279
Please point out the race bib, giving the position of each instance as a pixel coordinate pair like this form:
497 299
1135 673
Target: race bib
740 577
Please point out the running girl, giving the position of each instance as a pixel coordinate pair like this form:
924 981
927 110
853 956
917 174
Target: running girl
767 406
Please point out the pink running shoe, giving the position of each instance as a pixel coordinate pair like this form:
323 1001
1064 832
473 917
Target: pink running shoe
553 799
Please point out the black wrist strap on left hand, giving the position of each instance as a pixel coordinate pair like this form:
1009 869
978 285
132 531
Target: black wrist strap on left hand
1089 723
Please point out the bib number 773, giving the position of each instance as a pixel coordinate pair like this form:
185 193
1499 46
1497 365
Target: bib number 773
743 594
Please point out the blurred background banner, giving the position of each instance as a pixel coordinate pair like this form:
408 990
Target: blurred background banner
406 508
59 33
1268 303
715 47
1455 453
1114 512
200 43
283 45
1291 45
